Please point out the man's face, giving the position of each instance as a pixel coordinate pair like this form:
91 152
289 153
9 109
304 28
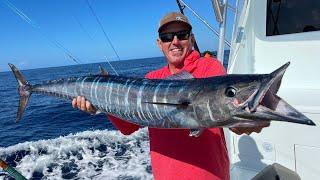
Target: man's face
176 50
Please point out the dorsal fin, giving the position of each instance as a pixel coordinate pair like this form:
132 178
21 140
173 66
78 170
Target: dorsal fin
181 75
103 71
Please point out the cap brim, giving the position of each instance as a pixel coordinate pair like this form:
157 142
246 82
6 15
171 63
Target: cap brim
166 24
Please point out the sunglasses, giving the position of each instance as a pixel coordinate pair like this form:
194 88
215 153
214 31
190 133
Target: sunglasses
168 37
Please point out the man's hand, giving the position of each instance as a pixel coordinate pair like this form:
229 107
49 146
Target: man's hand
249 130
81 103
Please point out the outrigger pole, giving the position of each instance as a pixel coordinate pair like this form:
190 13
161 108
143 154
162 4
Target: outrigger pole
12 172
181 7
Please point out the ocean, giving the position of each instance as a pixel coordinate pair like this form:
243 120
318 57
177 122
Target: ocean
55 141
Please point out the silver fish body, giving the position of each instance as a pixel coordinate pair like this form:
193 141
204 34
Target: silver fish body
178 102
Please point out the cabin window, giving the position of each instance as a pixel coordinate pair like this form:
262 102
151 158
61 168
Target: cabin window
292 16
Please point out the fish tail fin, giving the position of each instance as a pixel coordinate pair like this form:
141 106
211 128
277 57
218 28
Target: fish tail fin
24 91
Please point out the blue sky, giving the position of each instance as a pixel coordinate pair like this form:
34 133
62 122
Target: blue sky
130 25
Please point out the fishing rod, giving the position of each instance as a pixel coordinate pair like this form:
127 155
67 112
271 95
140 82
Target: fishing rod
181 7
105 35
11 171
34 25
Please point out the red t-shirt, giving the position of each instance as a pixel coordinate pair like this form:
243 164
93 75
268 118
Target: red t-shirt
176 155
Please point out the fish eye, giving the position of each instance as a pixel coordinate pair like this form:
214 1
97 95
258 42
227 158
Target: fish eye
230 92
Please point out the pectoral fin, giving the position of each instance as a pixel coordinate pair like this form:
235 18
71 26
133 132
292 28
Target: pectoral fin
183 104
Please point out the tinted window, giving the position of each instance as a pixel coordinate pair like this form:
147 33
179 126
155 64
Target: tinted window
292 16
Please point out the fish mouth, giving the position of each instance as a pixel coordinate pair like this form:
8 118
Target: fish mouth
265 105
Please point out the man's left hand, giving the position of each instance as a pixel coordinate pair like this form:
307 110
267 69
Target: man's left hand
249 130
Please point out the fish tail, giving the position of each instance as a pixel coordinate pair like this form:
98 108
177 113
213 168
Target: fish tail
25 90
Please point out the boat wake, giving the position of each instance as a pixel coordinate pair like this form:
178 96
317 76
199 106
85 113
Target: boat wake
100 154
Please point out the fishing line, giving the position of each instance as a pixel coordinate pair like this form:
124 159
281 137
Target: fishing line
24 17
105 35
90 37
83 29
111 66
21 14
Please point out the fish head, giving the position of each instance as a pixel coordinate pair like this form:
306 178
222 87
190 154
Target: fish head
252 98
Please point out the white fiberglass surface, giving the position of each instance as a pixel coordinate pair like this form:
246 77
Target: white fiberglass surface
258 53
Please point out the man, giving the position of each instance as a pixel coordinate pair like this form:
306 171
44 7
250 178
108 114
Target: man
174 154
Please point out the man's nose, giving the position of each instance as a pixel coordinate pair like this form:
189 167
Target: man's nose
175 40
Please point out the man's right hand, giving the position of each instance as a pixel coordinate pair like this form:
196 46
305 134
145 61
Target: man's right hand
81 103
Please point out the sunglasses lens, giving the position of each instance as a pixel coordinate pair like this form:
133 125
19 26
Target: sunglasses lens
183 35
168 37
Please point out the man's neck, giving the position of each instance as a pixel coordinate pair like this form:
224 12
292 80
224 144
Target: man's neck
175 69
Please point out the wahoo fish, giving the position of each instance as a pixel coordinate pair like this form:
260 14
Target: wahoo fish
180 101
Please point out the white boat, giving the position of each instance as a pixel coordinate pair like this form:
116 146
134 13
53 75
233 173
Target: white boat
267 34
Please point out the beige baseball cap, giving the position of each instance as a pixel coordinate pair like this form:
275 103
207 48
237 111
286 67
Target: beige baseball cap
173 17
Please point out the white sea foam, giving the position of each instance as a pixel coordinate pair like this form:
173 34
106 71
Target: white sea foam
87 155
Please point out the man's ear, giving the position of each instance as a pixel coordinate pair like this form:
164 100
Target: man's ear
193 40
159 43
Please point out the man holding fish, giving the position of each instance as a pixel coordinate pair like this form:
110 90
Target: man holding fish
174 153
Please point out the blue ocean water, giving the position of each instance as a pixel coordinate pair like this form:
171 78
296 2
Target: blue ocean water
55 141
